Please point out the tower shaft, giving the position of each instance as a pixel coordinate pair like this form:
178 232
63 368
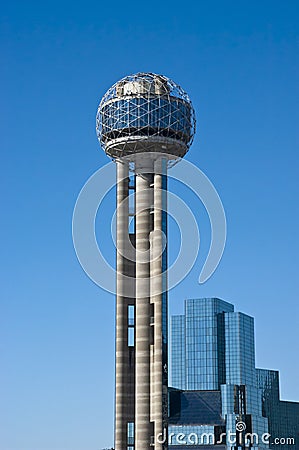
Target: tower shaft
144 202
141 366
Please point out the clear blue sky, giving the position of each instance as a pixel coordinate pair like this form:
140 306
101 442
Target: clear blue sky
238 60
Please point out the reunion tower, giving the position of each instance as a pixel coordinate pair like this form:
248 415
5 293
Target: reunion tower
145 123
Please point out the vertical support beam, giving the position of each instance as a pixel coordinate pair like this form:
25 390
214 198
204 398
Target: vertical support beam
144 202
157 286
121 360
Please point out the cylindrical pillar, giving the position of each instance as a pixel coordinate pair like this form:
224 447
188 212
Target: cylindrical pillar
157 300
121 369
144 202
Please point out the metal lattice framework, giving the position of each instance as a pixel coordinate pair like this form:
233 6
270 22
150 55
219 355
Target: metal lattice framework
145 112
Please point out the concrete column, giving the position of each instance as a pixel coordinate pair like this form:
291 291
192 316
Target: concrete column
144 202
121 369
156 299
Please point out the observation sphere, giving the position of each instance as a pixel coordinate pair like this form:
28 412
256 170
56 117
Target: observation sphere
145 112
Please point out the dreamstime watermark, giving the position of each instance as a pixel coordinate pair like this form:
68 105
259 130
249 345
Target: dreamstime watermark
89 203
231 438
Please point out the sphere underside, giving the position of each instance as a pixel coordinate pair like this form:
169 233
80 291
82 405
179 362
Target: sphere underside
145 112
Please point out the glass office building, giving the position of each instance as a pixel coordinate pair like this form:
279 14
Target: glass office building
218 397
283 416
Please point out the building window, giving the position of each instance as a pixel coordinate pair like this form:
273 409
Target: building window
131 315
131 325
130 435
131 337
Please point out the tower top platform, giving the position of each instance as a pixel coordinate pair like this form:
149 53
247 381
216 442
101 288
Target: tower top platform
145 112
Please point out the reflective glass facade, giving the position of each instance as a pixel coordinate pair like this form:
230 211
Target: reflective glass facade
239 349
178 352
283 416
195 344
170 118
213 351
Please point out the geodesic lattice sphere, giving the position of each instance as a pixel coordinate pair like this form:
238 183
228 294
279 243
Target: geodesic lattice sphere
145 112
